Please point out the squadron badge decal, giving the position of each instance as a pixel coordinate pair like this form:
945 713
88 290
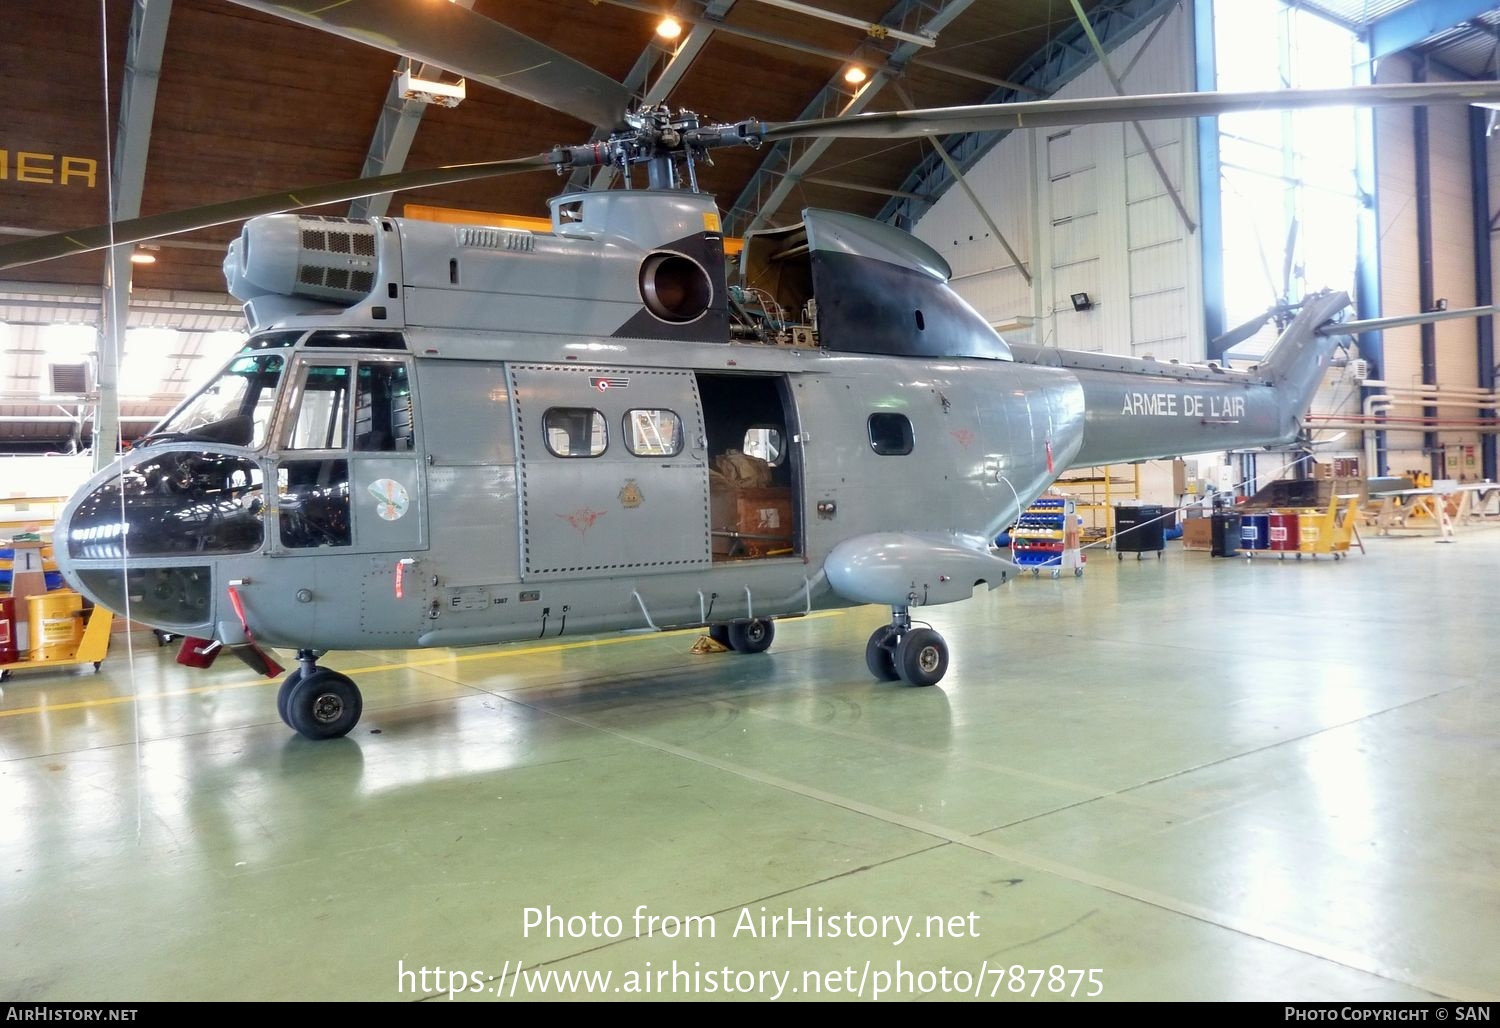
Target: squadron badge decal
391 498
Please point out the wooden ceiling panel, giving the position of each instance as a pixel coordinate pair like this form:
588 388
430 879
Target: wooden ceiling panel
250 103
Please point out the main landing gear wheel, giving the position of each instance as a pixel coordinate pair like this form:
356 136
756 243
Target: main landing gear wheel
921 657
752 635
880 654
916 656
324 704
284 693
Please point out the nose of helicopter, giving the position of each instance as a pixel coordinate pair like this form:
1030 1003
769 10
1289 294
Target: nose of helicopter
141 537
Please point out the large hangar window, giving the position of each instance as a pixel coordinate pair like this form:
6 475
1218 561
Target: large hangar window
1290 196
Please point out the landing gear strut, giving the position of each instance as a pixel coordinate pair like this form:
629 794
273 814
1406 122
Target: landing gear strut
318 702
916 656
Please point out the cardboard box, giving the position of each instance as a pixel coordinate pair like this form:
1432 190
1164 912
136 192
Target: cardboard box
751 522
1197 534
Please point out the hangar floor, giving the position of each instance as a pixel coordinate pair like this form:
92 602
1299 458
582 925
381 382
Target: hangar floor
1198 778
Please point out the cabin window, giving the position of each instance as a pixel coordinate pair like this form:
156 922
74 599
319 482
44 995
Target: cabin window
322 409
383 409
314 503
575 431
653 433
764 441
891 434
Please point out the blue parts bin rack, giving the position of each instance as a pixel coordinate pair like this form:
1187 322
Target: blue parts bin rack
1046 537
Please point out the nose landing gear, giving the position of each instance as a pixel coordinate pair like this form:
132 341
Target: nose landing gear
318 702
916 656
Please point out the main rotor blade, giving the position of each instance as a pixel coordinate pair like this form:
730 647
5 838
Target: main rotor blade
467 44
1090 110
65 244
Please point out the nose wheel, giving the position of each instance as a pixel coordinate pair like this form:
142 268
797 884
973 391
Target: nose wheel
318 702
897 651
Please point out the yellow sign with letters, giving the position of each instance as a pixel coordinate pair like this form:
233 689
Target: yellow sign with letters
48 169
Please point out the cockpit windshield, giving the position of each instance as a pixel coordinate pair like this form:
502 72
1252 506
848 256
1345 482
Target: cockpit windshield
235 408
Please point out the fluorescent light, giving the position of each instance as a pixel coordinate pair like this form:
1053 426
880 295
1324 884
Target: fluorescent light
669 28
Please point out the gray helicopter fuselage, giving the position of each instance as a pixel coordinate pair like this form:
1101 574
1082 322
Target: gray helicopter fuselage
468 434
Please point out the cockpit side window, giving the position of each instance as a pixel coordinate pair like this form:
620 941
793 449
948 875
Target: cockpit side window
234 408
320 415
383 419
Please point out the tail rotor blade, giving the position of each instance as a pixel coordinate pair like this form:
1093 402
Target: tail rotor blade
1240 333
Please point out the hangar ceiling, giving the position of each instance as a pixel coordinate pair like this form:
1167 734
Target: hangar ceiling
248 103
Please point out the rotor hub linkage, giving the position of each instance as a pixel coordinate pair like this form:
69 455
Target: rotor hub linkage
660 137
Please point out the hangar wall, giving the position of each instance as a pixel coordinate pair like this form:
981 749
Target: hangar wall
1087 212
1452 255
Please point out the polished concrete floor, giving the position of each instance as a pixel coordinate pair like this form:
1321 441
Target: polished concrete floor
1183 778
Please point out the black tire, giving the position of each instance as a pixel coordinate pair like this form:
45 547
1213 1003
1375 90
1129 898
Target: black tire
922 657
880 654
720 635
324 705
284 693
751 636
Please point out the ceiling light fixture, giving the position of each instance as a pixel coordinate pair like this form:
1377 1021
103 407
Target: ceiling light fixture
855 75
143 256
669 28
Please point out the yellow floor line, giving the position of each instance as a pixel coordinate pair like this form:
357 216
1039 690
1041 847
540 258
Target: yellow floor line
452 658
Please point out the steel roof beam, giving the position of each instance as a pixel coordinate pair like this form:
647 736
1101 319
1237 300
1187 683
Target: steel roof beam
1044 73
677 64
148 38
1407 26
788 162
394 131
1119 87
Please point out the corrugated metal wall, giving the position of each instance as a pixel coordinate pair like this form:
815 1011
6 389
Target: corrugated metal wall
1087 213
1452 256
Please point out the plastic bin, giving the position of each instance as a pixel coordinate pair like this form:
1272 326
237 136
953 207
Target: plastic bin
56 624
1255 532
1282 535
1226 534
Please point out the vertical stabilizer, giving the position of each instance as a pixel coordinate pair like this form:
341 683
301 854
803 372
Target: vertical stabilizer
1297 362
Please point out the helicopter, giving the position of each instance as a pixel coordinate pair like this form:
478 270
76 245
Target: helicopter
444 435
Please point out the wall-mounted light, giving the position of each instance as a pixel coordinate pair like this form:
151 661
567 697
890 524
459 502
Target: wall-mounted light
669 28
1081 302
855 75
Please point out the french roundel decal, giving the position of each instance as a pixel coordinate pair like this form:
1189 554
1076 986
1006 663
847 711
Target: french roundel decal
391 499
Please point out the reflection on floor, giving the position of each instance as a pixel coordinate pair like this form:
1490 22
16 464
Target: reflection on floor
1202 779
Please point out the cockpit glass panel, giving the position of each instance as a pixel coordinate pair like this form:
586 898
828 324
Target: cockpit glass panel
174 503
321 420
383 408
235 408
313 496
